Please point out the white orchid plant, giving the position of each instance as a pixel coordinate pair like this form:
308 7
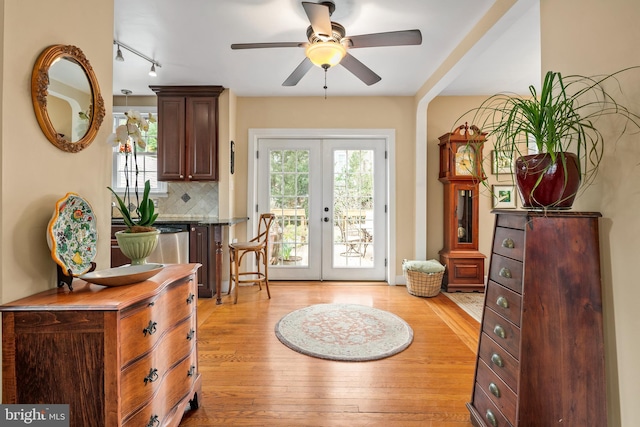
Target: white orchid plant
129 138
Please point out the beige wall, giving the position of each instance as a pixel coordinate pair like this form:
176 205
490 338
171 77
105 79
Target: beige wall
603 39
338 113
35 174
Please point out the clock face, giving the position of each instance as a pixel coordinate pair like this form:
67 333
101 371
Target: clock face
465 161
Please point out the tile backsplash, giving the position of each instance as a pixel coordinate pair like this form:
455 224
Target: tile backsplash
187 198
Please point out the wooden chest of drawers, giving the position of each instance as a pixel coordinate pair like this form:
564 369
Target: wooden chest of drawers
121 356
541 350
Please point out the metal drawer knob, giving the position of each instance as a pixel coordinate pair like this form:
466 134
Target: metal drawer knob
191 371
505 272
190 334
491 418
497 360
153 421
508 243
499 331
190 298
493 389
502 302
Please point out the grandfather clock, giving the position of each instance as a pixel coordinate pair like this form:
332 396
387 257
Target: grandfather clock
461 173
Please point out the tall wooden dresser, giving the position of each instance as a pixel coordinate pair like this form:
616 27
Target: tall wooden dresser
119 356
541 351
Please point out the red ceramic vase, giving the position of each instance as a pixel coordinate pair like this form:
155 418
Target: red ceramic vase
543 184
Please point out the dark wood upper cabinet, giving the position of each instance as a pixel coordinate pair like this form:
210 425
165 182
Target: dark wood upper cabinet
187 132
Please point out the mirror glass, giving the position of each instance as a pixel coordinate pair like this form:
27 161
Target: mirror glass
69 99
66 98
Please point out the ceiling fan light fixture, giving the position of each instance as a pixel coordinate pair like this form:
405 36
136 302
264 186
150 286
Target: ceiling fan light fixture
325 54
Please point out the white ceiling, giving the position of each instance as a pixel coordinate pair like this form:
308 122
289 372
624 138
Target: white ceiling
191 40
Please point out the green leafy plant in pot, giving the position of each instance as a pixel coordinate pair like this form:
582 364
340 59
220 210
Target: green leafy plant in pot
140 238
559 124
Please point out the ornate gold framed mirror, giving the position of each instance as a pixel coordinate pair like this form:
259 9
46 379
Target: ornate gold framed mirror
66 97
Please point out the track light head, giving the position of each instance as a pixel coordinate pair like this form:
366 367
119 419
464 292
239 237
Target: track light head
119 56
152 71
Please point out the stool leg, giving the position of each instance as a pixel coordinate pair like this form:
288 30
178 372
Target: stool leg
237 280
265 262
231 264
234 274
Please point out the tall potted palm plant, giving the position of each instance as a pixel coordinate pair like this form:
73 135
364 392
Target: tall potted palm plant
140 238
560 125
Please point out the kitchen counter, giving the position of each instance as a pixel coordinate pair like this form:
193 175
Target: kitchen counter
189 219
205 246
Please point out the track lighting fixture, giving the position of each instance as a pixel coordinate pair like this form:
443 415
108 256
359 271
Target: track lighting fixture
120 58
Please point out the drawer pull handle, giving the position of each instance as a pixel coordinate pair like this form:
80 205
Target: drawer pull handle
491 418
508 243
502 302
190 298
190 334
150 329
497 360
493 389
192 370
499 331
152 303
505 272
153 421
153 375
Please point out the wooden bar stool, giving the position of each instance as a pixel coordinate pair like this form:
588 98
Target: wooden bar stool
259 246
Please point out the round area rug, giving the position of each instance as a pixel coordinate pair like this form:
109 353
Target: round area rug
347 332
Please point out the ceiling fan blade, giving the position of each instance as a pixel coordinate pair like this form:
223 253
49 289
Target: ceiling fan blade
319 17
266 45
298 73
393 38
360 70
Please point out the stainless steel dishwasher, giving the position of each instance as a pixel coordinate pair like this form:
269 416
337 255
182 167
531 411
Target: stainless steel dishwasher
173 245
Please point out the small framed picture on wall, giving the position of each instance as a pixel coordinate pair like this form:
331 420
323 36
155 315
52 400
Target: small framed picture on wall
501 162
503 196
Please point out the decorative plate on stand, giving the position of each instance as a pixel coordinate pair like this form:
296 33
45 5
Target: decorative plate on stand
72 234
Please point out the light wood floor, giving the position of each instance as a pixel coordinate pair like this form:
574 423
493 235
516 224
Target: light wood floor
251 379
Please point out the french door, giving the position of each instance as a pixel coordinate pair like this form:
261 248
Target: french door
328 196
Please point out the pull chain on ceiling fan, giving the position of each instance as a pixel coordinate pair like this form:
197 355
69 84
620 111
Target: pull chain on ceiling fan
328 45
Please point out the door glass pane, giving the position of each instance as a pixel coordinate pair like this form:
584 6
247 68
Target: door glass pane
289 201
353 238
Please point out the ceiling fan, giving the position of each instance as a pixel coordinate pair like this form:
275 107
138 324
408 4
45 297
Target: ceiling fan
328 44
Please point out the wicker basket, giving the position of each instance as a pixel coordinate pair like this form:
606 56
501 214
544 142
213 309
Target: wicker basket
423 284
